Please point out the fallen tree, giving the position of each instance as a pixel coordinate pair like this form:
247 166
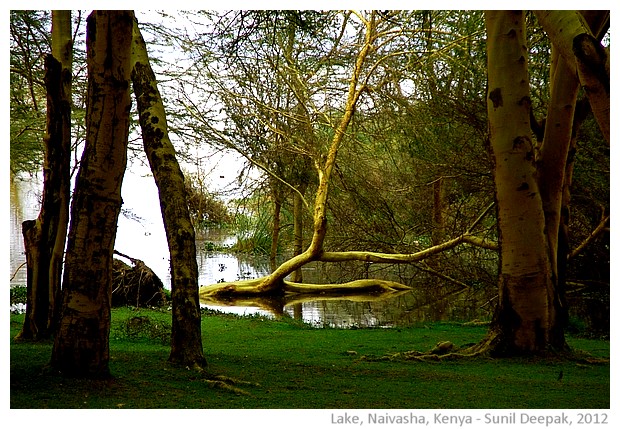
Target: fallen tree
136 285
253 287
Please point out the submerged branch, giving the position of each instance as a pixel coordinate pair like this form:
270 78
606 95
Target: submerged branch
253 287
250 287
362 285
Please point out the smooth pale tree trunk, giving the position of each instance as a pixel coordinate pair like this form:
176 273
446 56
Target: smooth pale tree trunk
570 33
555 165
525 315
186 338
44 238
81 346
319 227
551 167
553 153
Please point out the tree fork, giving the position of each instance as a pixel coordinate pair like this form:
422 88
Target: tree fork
315 249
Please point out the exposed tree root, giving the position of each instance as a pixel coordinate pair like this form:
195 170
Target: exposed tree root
433 355
491 347
137 285
229 384
223 382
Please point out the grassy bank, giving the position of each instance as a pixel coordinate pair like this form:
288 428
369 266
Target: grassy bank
294 366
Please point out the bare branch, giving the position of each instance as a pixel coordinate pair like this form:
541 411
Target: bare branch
593 235
479 219
400 258
193 112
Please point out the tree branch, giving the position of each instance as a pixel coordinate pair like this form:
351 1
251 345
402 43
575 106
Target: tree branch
400 258
593 235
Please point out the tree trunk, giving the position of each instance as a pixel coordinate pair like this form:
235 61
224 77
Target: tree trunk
571 35
62 49
37 287
438 233
298 228
274 281
44 238
186 338
551 166
555 166
526 314
81 346
553 153
563 249
275 229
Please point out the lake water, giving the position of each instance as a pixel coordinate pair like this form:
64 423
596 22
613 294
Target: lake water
141 235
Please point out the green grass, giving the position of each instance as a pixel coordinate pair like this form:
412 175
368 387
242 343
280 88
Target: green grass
296 366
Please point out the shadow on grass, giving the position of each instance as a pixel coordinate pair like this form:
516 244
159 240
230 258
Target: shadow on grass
290 365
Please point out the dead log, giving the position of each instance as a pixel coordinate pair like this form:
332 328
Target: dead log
135 285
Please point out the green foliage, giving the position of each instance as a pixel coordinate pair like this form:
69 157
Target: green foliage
292 366
18 294
253 231
30 40
26 136
210 246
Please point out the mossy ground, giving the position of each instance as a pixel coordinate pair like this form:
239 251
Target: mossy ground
291 365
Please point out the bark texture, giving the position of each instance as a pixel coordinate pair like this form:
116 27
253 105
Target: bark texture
44 238
81 346
526 313
571 34
186 347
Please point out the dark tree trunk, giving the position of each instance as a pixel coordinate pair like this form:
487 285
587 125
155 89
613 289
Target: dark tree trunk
275 230
81 346
439 223
44 238
298 229
186 339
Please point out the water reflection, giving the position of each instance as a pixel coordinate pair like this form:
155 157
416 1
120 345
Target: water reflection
222 266
388 309
25 201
